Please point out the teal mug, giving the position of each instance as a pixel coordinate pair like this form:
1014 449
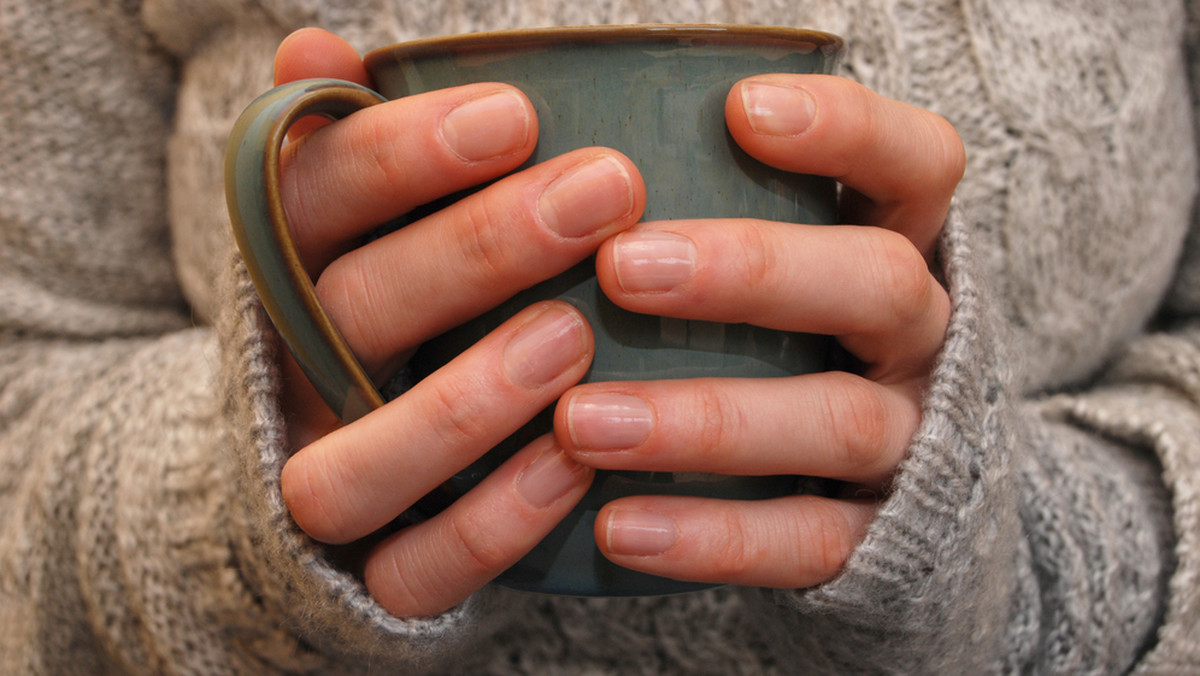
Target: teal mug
669 84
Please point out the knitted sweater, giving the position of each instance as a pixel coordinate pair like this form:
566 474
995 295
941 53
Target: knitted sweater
1045 518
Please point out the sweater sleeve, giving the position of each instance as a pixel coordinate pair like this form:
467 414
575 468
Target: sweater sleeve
140 441
1045 528
1045 535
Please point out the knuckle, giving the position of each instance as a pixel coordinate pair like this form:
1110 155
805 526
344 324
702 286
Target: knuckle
733 557
828 538
307 489
860 128
346 291
385 163
948 152
459 417
483 243
480 550
901 275
757 257
401 588
929 135
300 203
718 422
858 418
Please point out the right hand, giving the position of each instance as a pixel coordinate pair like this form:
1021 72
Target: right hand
342 180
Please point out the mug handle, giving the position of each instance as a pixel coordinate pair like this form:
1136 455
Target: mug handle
264 237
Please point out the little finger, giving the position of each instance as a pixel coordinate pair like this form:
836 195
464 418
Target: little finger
434 565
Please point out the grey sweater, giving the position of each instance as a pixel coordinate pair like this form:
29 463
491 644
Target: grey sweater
1045 520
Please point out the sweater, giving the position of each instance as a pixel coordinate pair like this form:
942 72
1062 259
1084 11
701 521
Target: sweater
1045 519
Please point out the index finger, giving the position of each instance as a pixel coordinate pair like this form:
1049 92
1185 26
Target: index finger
900 163
345 179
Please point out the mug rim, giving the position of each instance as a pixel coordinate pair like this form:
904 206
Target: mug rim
814 40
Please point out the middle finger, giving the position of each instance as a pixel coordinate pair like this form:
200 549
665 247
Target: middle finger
415 283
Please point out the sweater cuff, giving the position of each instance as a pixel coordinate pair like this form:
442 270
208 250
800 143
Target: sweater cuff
935 566
293 577
1017 535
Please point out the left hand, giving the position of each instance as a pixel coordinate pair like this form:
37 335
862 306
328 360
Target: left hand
868 283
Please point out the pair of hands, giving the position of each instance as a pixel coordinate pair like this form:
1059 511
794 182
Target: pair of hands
868 284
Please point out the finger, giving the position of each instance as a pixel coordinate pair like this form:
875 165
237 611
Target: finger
478 252
312 52
901 163
345 179
788 277
361 476
434 565
834 425
796 541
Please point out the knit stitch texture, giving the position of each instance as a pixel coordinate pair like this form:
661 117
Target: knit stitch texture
1045 519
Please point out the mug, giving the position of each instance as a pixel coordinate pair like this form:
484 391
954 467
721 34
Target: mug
654 92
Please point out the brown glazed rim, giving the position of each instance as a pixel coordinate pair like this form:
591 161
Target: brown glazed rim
664 32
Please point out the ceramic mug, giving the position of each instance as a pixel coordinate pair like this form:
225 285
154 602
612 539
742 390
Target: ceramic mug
654 92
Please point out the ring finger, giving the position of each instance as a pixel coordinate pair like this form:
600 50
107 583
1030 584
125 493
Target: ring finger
789 542
834 425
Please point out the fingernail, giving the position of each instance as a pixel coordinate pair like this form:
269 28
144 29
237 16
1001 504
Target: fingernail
606 421
776 110
550 477
587 197
637 533
487 127
544 347
649 262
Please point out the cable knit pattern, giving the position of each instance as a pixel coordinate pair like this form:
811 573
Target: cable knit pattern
1046 517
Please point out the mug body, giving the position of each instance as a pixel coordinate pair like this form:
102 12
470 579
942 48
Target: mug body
657 94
